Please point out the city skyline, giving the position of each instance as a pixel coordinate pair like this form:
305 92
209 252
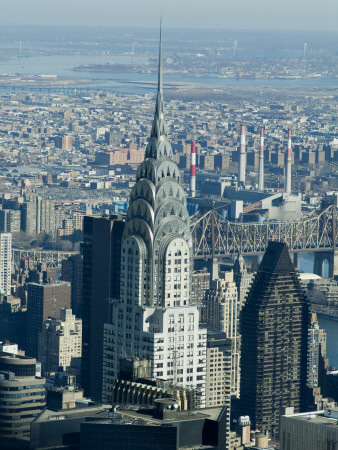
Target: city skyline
163 326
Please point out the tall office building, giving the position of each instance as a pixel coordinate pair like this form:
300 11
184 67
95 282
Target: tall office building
5 263
218 375
10 220
28 217
274 325
220 313
316 351
242 278
43 301
46 217
60 341
72 271
218 378
154 318
101 282
38 215
200 284
64 142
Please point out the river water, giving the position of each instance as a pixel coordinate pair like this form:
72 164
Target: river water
331 328
62 65
57 53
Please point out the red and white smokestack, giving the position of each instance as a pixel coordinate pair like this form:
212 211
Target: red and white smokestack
193 169
242 156
261 161
288 165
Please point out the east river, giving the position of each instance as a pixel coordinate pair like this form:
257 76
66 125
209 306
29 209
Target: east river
331 328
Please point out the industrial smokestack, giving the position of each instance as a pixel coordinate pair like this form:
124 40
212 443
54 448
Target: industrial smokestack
287 188
193 169
242 159
261 162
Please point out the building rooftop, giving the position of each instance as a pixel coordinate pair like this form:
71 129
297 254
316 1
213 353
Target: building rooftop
50 415
309 276
134 415
143 416
318 417
7 356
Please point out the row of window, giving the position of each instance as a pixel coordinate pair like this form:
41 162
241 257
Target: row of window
28 394
21 388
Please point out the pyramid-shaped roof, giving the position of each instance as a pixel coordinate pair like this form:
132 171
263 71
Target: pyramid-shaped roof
276 259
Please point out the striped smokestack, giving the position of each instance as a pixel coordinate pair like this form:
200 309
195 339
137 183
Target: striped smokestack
288 166
261 161
193 169
242 156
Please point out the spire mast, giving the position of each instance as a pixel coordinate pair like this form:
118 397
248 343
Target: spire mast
160 75
159 127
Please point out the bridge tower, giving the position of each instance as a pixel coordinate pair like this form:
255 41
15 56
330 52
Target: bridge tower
331 257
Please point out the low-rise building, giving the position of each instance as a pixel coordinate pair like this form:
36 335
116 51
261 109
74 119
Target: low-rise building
310 431
22 395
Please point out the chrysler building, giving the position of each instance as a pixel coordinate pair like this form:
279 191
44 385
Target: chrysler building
154 317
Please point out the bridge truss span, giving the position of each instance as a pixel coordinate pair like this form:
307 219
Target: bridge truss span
214 236
50 257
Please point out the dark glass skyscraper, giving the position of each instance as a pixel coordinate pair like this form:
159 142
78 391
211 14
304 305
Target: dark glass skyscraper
274 324
101 282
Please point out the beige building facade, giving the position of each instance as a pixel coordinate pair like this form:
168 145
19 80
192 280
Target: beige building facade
60 341
310 431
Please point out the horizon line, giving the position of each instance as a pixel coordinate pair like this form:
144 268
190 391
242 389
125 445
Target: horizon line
153 27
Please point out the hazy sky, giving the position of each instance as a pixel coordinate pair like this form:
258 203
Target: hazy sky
224 14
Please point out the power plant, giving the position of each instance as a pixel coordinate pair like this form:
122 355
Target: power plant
193 170
237 198
288 166
242 157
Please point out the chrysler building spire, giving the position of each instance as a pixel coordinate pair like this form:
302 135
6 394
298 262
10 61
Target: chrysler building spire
157 216
159 127
158 144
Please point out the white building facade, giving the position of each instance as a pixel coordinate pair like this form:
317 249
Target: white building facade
154 317
220 312
5 262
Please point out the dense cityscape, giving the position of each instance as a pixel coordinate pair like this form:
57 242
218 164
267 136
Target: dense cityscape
168 241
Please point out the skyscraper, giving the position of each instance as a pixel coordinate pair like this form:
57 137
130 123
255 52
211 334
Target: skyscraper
154 317
220 313
316 351
242 278
72 270
46 217
10 220
43 301
60 341
200 284
101 282
5 262
274 325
